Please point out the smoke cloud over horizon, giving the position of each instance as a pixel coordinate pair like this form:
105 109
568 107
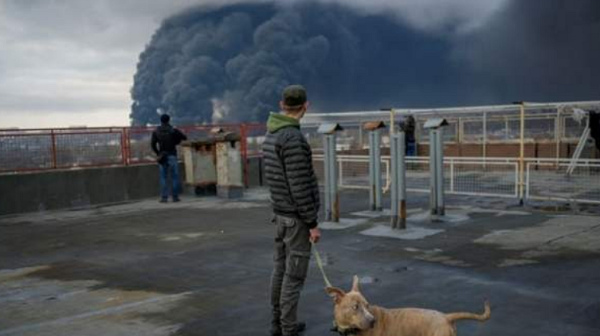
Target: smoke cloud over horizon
230 63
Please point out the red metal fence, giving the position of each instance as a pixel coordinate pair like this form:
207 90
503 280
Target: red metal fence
66 148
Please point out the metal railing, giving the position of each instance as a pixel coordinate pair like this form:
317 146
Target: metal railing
489 150
549 130
31 150
34 150
548 180
545 179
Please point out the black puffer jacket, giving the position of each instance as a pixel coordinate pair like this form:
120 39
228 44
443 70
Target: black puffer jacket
289 171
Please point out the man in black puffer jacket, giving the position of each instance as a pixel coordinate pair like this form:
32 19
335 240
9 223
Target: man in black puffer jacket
295 200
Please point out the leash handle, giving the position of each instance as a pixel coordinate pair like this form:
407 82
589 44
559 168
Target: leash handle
320 264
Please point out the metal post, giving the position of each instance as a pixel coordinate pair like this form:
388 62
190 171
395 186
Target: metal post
522 155
360 138
527 182
557 134
339 177
244 146
484 140
335 199
123 147
327 174
332 208
375 191
377 167
439 170
402 179
436 166
395 209
398 151
432 171
332 211
451 175
129 146
372 190
54 156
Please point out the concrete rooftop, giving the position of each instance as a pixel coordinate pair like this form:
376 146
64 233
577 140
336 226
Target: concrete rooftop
201 267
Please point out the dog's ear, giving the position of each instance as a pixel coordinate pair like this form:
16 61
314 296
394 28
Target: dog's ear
336 293
355 282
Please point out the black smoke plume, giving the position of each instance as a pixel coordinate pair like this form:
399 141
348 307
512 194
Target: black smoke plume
231 63
540 50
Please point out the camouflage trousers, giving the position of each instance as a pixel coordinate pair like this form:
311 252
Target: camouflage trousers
291 259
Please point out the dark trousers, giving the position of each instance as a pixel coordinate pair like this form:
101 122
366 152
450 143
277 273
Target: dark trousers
171 165
291 257
411 148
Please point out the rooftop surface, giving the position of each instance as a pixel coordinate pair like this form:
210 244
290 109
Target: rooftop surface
202 267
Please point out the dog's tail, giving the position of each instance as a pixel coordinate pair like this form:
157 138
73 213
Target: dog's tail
453 317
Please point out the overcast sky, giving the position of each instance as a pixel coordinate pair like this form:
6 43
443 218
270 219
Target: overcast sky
71 62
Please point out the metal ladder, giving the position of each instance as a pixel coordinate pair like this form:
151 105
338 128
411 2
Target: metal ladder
579 149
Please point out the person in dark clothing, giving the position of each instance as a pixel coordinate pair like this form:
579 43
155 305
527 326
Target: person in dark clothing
295 200
164 143
408 125
594 123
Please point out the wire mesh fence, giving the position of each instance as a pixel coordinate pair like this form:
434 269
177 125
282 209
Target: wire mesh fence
32 150
83 149
486 148
26 152
550 130
481 177
462 176
550 180
35 150
138 145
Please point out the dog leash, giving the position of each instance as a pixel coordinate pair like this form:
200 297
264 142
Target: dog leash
349 332
320 264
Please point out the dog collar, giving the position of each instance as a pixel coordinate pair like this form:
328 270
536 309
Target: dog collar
345 332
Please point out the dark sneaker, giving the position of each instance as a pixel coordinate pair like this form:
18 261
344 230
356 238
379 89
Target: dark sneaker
300 327
176 199
163 200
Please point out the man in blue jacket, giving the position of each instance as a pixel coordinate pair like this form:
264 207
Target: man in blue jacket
295 200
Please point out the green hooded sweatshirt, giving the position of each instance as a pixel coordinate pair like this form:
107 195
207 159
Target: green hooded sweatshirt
278 121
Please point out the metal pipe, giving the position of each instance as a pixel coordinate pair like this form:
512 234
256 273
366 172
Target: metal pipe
452 175
522 154
432 171
123 148
339 177
377 168
395 210
372 177
484 140
398 208
557 134
327 174
439 170
334 196
360 138
402 179
244 145
54 156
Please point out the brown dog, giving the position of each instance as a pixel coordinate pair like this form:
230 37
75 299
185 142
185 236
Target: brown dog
354 316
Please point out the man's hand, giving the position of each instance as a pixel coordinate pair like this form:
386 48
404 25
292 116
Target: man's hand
315 235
